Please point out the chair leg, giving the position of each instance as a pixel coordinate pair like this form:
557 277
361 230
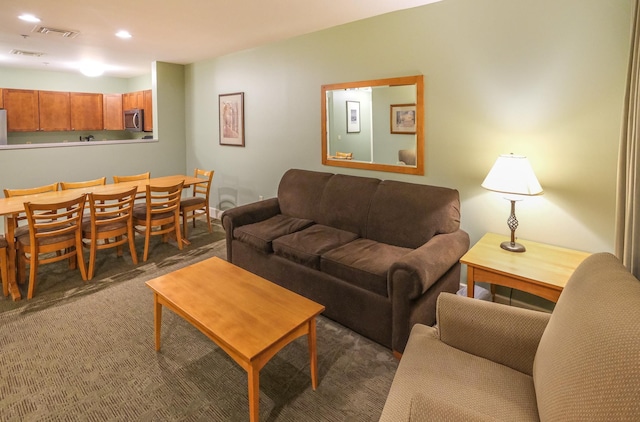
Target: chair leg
193 220
147 235
80 257
185 221
4 273
178 234
93 249
132 247
208 219
33 271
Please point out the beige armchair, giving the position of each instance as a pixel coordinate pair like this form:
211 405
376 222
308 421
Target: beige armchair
491 362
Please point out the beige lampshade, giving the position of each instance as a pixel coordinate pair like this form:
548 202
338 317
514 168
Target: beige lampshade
512 174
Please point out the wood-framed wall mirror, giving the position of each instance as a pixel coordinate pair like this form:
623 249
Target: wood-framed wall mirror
374 125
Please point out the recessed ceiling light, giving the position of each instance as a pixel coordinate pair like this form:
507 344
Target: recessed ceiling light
123 34
27 17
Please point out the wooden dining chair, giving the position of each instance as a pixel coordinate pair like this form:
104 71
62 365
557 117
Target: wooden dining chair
20 220
86 184
53 227
131 178
139 203
198 204
4 266
110 225
162 212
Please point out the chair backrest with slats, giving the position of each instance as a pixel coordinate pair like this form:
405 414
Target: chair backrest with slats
52 221
163 199
132 178
205 187
21 219
87 183
111 210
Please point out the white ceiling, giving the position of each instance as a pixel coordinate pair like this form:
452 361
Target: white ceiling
174 31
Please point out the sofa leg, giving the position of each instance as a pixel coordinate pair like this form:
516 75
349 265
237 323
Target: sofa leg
397 355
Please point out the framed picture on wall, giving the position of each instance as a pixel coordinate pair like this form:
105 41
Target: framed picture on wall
353 116
403 118
231 109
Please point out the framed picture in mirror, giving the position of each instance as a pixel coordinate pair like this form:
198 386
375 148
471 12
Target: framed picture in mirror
353 116
231 109
403 118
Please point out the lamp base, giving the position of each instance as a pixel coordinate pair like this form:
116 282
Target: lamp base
512 246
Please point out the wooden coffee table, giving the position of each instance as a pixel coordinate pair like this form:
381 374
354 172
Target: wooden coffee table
248 317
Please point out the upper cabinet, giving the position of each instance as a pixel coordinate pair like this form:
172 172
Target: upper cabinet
112 112
86 111
22 110
132 100
54 111
32 111
148 110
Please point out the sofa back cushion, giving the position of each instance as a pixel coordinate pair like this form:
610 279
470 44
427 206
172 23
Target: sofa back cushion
345 202
586 366
408 214
300 193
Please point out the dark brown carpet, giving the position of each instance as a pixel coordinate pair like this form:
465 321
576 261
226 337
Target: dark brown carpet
84 352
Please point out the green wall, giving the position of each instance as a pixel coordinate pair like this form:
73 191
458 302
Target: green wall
545 79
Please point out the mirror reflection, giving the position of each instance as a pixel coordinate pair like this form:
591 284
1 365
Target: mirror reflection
374 125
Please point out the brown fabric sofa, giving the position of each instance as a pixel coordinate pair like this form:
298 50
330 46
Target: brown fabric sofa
375 253
491 362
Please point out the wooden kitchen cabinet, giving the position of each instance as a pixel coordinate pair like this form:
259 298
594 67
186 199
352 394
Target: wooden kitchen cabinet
55 113
86 111
112 112
132 100
148 110
22 110
1 99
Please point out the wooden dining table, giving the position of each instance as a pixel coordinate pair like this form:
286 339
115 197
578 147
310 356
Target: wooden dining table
11 207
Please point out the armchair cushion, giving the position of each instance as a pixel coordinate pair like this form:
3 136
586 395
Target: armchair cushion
456 380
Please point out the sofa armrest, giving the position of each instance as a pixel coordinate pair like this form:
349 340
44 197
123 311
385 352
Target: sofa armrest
422 267
503 334
247 214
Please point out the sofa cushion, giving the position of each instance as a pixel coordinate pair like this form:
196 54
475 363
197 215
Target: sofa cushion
300 193
306 246
363 262
345 202
586 366
409 215
261 234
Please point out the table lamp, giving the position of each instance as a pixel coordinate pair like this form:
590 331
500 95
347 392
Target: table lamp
512 175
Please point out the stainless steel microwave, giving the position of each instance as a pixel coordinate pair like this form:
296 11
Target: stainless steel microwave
134 120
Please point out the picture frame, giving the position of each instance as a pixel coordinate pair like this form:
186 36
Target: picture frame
353 116
231 119
403 119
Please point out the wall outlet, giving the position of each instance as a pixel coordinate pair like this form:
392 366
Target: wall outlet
260 198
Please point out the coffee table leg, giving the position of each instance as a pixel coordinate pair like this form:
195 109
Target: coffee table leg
254 394
313 357
157 319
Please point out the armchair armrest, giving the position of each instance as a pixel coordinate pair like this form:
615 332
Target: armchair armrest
500 333
247 214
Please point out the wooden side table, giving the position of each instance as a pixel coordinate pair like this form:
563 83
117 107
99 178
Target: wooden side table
542 270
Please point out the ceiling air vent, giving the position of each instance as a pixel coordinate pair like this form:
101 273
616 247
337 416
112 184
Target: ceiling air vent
62 33
26 53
